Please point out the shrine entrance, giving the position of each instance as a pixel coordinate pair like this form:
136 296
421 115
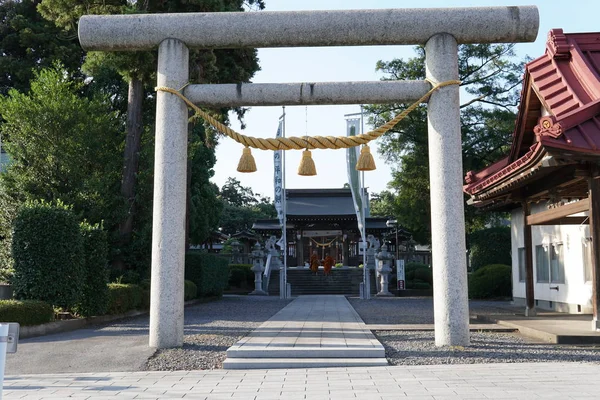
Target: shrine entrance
439 30
323 220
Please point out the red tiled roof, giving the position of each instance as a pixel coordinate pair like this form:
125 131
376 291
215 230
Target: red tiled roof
566 81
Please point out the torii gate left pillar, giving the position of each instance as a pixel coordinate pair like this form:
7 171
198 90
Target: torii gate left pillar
440 29
168 221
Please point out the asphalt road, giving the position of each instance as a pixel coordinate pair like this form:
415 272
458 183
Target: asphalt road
119 346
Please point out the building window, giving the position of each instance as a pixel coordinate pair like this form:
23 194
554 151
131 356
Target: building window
542 271
521 255
587 262
549 264
557 264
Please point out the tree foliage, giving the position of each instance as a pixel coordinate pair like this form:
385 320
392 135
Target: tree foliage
491 78
490 246
242 207
138 69
63 145
28 43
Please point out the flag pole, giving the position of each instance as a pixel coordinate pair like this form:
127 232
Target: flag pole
366 280
284 200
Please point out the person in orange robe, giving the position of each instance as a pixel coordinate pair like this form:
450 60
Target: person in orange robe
314 262
327 264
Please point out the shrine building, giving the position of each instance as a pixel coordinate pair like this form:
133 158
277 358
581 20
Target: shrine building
550 180
324 220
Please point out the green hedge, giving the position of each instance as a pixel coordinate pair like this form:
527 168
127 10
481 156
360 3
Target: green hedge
209 272
123 297
190 290
241 275
94 294
418 276
491 281
26 312
490 246
48 255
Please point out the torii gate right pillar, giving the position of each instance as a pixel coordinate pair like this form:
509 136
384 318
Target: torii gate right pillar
450 298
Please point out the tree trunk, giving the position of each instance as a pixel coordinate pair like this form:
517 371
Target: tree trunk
131 159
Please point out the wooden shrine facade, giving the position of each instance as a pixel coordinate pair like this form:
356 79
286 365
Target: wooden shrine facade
324 220
550 180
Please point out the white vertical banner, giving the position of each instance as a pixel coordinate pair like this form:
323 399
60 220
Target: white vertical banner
279 197
352 153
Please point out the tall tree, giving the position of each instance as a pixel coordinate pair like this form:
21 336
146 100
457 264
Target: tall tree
29 42
491 78
242 207
206 66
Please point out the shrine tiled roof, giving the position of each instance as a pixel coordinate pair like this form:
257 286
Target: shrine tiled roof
559 110
317 202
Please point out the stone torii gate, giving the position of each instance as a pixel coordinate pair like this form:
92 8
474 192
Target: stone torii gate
441 30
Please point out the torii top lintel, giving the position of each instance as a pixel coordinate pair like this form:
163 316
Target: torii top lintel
309 28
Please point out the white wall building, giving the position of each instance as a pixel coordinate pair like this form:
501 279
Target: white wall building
562 268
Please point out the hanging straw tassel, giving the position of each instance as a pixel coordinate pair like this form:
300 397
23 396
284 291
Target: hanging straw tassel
247 163
307 165
365 161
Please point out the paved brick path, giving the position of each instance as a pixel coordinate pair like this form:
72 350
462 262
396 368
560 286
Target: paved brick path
442 382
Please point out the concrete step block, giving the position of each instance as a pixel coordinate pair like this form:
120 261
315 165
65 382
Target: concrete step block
247 351
272 363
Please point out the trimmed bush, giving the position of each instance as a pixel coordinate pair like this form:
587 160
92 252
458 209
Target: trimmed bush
48 255
190 290
424 274
411 267
209 272
490 246
94 294
491 281
145 287
26 312
123 297
241 275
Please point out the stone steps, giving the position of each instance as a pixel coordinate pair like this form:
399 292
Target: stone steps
272 363
303 282
311 331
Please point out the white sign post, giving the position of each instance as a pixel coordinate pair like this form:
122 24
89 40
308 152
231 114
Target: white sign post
400 275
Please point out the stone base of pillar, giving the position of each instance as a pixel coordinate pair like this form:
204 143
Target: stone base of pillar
258 292
384 294
596 324
530 312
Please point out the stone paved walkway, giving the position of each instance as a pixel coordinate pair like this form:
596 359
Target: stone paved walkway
311 331
565 381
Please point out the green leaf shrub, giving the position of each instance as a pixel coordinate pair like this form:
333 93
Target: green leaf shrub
190 290
411 267
418 276
48 254
491 281
26 312
241 275
209 272
123 297
490 246
94 294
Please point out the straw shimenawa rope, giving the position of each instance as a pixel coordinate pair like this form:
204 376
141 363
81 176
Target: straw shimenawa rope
306 142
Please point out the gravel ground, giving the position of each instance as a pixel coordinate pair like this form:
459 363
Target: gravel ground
211 328
417 310
418 347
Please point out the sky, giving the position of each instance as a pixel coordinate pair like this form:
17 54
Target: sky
339 64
